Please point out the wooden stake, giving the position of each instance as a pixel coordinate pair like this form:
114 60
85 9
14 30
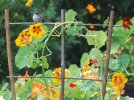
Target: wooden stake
9 54
62 55
104 82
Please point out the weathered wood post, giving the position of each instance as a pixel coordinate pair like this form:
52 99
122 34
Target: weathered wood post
104 82
9 53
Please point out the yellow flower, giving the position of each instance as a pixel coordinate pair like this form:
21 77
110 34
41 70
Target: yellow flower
119 90
37 30
16 14
24 38
57 73
53 93
87 63
118 79
29 3
91 9
88 73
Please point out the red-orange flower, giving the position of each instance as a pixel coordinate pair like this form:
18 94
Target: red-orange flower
72 85
126 22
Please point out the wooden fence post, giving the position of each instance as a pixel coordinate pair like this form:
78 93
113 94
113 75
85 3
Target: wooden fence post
9 54
62 54
110 28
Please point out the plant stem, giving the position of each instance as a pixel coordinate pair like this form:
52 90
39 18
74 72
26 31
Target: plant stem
46 82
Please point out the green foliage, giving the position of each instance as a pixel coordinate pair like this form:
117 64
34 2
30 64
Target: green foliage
74 70
24 57
74 30
70 15
96 38
84 58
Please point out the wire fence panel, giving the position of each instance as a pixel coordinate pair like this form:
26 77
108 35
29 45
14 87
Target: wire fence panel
11 75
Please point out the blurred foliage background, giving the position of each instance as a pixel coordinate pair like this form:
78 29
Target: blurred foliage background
50 11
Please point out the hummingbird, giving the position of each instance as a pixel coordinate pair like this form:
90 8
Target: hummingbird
37 18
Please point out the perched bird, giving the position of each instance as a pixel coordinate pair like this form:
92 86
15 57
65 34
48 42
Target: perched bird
37 18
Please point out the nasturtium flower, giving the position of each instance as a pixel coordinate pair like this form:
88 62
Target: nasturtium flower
118 79
19 86
127 23
57 73
91 26
29 3
37 30
53 93
24 38
72 85
37 89
88 73
27 77
91 9
119 90
87 63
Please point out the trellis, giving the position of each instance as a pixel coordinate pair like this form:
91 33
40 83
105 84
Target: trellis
9 53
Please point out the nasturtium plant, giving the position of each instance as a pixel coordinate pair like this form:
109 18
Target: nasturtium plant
82 81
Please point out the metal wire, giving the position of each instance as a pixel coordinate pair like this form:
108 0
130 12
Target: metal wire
53 23
93 79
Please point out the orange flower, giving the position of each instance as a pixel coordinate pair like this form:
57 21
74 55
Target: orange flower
24 38
18 85
37 30
88 73
91 26
91 9
53 93
57 73
37 89
88 62
27 76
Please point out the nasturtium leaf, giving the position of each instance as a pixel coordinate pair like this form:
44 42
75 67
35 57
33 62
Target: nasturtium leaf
114 64
26 90
70 15
74 30
34 65
4 87
75 92
105 23
84 58
124 60
96 38
87 85
74 71
95 53
43 62
24 57
115 44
